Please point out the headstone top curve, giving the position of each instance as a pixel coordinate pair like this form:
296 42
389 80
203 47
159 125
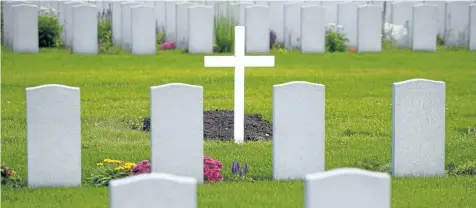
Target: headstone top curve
175 84
153 176
347 171
51 86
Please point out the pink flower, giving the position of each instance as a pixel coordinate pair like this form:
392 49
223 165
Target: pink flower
168 45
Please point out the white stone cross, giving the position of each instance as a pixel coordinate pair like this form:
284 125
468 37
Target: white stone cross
239 61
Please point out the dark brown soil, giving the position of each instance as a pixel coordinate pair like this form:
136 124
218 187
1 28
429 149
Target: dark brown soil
218 124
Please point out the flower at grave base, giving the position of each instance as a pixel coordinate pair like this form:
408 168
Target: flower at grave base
99 164
168 45
14 173
140 168
212 170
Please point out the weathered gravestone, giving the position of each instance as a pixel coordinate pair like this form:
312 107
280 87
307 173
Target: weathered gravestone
257 29
348 187
425 27
170 23
276 13
143 36
159 13
24 31
181 17
402 13
456 23
313 29
418 141
116 22
68 23
238 12
292 25
369 28
177 130
472 27
347 17
53 136
85 29
298 129
7 17
153 190
200 29
126 24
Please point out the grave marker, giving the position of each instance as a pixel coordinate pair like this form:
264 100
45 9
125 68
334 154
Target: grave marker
176 130
24 27
200 29
257 25
472 27
85 29
298 129
348 187
313 29
369 28
153 190
53 135
126 24
418 133
239 61
143 36
68 22
425 27
456 23
292 25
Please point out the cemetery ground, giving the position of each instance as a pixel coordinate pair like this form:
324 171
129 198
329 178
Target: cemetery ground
115 92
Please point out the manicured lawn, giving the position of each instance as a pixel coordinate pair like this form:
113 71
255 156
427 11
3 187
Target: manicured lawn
115 95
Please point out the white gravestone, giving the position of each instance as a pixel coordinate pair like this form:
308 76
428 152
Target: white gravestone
347 17
298 129
331 11
292 25
7 16
369 28
68 29
85 29
472 27
402 13
257 25
181 17
200 29
239 61
25 28
313 29
160 16
116 22
425 27
456 23
53 135
177 130
143 36
276 13
418 141
348 187
239 12
170 23
126 24
153 190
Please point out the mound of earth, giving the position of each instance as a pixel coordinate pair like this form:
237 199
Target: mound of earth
218 124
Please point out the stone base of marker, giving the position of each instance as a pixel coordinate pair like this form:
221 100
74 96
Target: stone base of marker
218 124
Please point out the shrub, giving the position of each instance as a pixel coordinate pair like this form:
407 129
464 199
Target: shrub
440 40
10 177
160 38
468 168
105 37
335 40
224 35
49 32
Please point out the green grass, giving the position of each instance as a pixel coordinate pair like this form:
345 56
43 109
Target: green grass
115 95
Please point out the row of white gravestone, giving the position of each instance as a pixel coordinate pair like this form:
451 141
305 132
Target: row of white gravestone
457 26
134 30
54 136
346 187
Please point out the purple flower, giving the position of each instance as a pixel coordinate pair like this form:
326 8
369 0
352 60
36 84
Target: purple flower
241 172
238 169
246 168
233 168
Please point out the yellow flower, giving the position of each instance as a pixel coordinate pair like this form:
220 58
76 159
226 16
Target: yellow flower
14 173
130 164
107 160
119 168
99 164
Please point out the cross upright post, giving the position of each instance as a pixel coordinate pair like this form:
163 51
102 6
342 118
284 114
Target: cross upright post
239 61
